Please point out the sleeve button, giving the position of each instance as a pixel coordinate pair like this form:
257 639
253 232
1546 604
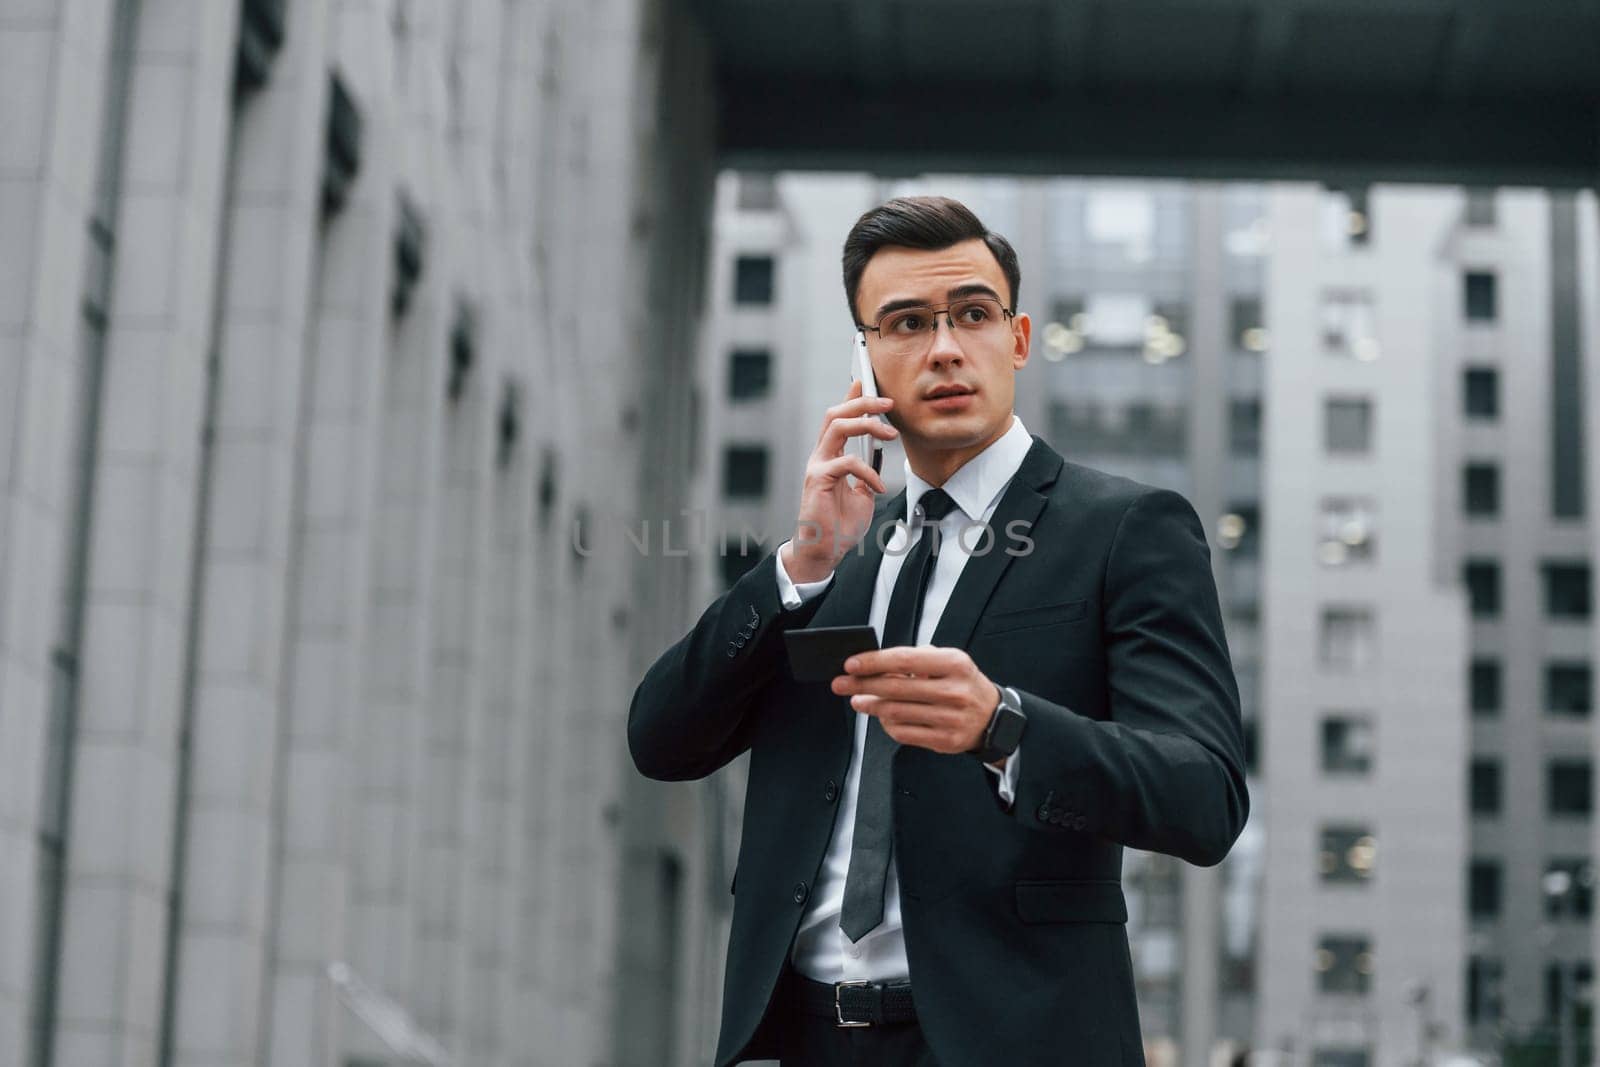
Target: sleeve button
799 892
831 791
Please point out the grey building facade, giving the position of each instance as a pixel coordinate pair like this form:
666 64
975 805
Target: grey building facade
329 335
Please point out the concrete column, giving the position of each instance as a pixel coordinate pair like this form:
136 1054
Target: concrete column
245 551
54 55
324 713
138 578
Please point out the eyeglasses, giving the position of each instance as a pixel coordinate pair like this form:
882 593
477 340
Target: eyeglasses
910 331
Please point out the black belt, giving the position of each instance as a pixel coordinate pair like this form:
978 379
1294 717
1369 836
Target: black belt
856 1003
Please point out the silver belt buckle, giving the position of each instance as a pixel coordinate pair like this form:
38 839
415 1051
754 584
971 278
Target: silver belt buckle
838 1009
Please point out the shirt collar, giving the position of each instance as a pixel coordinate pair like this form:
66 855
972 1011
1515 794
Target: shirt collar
979 481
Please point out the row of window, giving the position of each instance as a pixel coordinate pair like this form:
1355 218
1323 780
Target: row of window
1568 687
1485 999
1567 886
1565 584
1349 855
1348 748
1567 783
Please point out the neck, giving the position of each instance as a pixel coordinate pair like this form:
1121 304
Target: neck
935 466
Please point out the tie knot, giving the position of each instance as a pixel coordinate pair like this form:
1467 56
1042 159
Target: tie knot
936 504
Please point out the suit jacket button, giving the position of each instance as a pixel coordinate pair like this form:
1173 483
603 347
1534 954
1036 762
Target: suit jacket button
1079 823
1043 813
799 892
831 791
732 650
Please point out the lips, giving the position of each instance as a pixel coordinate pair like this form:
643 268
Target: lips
948 390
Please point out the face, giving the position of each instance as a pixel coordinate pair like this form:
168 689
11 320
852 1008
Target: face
940 434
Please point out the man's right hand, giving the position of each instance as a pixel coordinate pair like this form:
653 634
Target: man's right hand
834 512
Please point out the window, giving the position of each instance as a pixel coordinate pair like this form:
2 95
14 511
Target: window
1568 886
1344 964
757 192
1566 590
1244 324
744 472
1480 207
1065 310
1122 218
1480 392
1480 490
1483 783
1484 682
1478 294
739 554
1348 855
1239 531
749 374
752 280
1484 1003
1349 324
1571 979
1347 425
1349 638
1348 533
1347 745
1346 218
1339 1056
1567 788
1244 427
1483 889
1483 587
1567 689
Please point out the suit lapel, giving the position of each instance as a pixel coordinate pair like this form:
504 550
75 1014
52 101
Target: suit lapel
1022 502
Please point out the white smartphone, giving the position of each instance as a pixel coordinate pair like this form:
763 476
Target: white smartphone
869 448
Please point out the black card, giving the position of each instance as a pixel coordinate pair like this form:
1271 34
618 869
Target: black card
818 655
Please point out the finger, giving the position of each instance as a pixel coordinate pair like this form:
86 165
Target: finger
907 713
943 692
921 737
839 466
922 660
855 406
841 430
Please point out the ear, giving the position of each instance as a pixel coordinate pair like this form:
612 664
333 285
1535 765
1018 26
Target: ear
1021 334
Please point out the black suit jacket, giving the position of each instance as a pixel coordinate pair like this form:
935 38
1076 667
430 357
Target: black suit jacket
1109 628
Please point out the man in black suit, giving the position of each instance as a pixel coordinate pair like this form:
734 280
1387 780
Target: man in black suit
930 869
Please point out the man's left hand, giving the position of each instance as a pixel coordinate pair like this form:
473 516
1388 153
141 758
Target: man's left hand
934 698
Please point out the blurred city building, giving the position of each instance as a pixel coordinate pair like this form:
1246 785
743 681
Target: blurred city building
329 336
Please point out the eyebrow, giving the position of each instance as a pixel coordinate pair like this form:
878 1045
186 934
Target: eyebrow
975 289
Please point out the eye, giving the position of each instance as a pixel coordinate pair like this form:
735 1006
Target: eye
972 314
909 322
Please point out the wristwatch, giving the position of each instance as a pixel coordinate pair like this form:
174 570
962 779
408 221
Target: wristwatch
1005 728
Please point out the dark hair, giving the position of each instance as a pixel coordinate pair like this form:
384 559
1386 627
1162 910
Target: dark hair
926 222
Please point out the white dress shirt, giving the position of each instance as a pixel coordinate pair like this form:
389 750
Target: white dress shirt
822 952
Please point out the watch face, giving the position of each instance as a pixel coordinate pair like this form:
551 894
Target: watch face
1007 731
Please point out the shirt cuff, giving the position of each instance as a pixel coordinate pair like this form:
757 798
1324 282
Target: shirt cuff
793 595
1006 780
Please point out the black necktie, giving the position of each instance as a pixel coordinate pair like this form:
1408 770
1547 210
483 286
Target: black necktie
869 848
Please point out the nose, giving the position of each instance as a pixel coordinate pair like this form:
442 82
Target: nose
945 348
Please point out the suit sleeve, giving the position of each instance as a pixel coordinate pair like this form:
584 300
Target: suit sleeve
1165 771
696 707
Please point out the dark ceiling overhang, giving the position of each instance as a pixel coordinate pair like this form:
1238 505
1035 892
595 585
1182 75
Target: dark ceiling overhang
1469 91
